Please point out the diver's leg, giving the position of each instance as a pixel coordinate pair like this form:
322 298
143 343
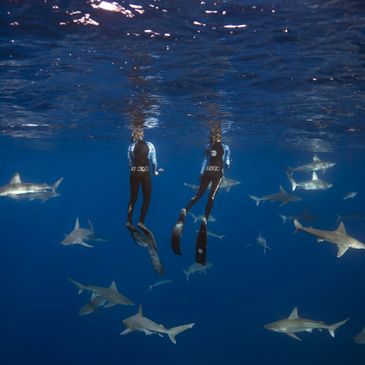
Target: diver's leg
146 190
177 231
133 181
201 241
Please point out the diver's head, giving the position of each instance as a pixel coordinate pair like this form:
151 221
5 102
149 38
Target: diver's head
215 135
137 135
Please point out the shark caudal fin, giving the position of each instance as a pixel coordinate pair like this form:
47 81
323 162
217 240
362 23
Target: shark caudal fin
292 181
79 285
256 199
332 328
57 184
297 225
173 332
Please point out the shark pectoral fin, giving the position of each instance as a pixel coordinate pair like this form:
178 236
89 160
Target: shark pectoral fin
293 335
310 330
82 243
126 331
320 240
341 250
148 333
109 304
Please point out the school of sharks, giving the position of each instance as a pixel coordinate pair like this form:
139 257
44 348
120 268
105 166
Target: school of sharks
105 297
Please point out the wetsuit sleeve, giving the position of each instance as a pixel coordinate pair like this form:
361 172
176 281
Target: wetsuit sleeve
205 161
227 156
130 154
152 156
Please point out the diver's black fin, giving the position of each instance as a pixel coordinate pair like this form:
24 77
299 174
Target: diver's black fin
137 235
201 243
176 233
150 238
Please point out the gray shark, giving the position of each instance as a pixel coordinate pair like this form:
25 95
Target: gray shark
198 218
314 184
226 184
350 195
339 237
282 196
142 324
260 241
159 283
316 165
294 324
197 268
360 337
78 235
111 294
16 189
92 306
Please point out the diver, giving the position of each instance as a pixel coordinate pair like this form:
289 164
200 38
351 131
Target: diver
217 156
141 155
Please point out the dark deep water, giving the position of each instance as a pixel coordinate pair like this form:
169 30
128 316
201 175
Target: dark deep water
284 78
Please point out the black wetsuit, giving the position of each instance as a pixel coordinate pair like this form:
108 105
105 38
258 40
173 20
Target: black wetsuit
140 174
213 172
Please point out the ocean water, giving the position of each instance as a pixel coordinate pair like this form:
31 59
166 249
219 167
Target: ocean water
284 79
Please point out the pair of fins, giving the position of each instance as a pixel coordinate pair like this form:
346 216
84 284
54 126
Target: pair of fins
146 239
201 241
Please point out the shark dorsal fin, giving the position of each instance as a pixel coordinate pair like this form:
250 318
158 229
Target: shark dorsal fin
294 314
314 176
77 224
140 310
113 286
16 179
316 158
282 190
341 228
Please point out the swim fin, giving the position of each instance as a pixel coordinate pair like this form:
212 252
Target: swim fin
149 235
201 243
176 233
137 236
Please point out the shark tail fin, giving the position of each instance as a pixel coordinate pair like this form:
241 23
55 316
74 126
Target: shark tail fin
297 225
173 332
333 327
78 285
57 184
256 199
292 181
187 275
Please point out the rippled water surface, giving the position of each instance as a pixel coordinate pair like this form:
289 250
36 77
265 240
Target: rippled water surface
284 79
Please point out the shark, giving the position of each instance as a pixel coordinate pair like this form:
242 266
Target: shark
197 268
314 184
260 241
78 235
140 323
92 306
198 218
18 190
360 337
226 184
294 324
111 294
159 283
282 196
339 237
350 195
315 165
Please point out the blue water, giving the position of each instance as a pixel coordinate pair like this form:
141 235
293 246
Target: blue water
287 84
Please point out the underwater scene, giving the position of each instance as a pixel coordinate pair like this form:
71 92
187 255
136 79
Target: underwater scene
182 182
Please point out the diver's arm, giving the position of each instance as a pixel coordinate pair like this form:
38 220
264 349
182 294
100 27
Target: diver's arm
152 157
130 154
227 156
204 164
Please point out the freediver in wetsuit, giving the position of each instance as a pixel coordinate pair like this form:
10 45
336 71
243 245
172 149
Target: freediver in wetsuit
141 155
217 157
